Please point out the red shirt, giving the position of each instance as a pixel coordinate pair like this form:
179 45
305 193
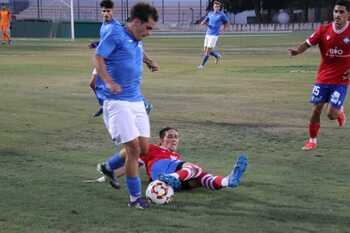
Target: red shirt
156 153
334 46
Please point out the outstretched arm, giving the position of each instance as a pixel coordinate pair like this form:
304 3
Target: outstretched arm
298 50
152 65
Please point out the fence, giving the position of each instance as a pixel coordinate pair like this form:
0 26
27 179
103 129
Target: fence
170 11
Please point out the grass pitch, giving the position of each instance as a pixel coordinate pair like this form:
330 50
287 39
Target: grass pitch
255 101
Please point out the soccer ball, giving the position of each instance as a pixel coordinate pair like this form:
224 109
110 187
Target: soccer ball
159 192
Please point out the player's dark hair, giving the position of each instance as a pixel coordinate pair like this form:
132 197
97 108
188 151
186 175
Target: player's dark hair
107 4
345 3
163 131
217 3
143 11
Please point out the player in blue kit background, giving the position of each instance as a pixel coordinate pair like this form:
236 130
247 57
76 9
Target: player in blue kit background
119 63
217 23
107 7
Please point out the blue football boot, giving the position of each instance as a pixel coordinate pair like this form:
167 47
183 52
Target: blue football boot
172 181
237 171
140 203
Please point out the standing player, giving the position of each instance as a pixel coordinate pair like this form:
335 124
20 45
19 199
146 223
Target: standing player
162 162
5 21
107 7
217 23
333 74
119 63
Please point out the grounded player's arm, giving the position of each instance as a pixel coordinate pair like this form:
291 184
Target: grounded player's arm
151 64
298 50
102 71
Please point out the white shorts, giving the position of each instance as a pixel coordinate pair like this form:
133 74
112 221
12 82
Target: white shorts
125 121
210 41
94 71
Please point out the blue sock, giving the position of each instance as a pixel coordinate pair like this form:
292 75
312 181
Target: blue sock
115 162
134 186
205 59
215 54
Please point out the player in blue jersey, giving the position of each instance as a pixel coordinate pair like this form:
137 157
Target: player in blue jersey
96 83
217 23
119 63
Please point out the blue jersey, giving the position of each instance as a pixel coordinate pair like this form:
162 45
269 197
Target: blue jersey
215 20
123 56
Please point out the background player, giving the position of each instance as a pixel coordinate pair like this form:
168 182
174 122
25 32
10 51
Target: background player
118 60
217 23
333 75
5 22
96 84
162 162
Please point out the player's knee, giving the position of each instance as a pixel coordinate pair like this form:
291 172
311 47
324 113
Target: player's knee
133 149
332 115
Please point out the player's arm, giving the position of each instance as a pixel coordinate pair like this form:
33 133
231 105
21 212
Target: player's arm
92 83
298 50
102 71
151 64
104 50
205 21
224 27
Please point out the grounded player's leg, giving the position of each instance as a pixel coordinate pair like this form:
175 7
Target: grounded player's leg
314 127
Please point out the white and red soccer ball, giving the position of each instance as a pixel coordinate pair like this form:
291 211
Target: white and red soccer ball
159 192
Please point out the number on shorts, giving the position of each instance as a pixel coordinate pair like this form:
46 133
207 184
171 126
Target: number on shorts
335 97
316 91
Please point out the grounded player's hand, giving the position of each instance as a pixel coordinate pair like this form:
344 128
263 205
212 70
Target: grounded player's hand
346 75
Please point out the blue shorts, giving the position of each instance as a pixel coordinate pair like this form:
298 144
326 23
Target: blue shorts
165 166
333 94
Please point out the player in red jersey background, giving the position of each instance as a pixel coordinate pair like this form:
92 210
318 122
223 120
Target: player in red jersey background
333 75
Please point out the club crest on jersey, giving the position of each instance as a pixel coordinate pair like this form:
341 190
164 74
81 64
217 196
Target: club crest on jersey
346 40
328 37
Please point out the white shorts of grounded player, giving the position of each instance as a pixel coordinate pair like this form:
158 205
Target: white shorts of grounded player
125 121
94 71
210 41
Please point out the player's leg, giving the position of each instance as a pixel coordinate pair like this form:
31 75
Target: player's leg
133 151
232 180
162 169
92 85
187 171
2 28
123 121
319 96
6 36
214 52
336 107
110 166
205 52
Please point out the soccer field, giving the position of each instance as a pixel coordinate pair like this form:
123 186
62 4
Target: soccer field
254 102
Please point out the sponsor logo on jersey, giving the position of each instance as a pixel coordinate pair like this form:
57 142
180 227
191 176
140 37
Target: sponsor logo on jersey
335 52
346 40
328 37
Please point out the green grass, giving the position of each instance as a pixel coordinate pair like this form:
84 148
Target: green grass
255 101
